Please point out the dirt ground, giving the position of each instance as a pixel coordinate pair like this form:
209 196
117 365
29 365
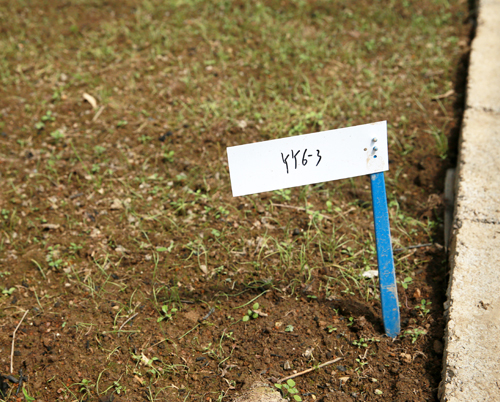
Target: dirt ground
129 272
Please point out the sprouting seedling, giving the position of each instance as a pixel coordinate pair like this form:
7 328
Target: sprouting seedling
406 281
414 334
424 307
47 117
166 313
360 344
251 313
288 389
57 135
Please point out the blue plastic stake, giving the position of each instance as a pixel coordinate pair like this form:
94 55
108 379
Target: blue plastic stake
386 272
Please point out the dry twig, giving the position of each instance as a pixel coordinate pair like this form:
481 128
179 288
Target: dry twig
13 341
309 370
128 319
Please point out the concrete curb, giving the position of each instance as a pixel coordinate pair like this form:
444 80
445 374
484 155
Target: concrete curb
471 369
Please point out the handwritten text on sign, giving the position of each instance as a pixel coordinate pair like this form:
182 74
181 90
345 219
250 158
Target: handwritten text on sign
308 159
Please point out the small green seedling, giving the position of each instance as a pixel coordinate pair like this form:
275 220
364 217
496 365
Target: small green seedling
289 390
74 248
48 116
251 313
8 292
361 362
52 258
414 334
57 135
424 307
27 397
361 343
166 314
330 329
168 156
5 213
289 328
406 281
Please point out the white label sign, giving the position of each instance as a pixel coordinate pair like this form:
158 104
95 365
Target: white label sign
308 159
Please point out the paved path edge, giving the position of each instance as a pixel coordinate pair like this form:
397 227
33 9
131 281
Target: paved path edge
471 362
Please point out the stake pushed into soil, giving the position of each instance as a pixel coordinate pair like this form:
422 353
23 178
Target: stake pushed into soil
13 341
385 260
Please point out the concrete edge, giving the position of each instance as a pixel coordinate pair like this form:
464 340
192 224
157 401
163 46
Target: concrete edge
471 362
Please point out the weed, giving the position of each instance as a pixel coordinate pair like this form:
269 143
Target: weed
167 314
47 117
288 390
441 142
144 139
289 328
424 307
361 362
53 257
8 292
27 396
57 135
282 195
406 282
414 334
168 155
251 313
74 248
5 213
85 388
363 343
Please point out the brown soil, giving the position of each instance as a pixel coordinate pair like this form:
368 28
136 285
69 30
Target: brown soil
94 256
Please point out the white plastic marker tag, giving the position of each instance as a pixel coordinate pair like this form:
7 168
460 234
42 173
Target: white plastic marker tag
308 159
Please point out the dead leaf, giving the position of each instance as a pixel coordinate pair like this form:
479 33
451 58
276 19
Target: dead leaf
204 269
121 249
406 357
344 379
95 233
308 353
116 204
372 273
90 99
